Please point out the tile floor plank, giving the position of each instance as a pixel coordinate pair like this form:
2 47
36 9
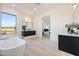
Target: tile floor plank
42 47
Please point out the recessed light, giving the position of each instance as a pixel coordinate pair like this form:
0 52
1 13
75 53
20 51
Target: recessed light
13 5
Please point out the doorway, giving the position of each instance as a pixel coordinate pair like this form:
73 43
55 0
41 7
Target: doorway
46 27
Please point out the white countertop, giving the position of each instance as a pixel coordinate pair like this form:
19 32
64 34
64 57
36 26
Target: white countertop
77 35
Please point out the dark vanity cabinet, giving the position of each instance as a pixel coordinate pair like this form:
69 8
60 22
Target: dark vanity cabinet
69 44
28 33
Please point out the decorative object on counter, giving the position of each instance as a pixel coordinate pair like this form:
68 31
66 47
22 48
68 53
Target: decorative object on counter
72 28
24 27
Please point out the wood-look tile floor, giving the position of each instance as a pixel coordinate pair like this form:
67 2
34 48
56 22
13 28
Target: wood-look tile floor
42 47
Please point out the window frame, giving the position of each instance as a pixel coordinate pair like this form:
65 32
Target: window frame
15 21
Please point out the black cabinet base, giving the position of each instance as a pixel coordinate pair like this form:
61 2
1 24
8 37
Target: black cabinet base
28 33
69 44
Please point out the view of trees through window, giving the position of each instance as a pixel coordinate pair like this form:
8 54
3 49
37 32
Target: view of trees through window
8 23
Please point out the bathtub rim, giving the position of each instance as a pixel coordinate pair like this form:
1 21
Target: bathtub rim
15 46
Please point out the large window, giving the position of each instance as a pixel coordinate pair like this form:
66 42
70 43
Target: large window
8 24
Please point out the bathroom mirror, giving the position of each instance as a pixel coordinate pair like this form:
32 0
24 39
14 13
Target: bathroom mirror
28 25
46 27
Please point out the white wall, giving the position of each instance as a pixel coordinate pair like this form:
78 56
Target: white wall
77 14
59 16
0 8
37 25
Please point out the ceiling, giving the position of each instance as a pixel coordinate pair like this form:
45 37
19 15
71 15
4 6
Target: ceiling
29 8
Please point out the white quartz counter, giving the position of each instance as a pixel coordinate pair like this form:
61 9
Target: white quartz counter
76 35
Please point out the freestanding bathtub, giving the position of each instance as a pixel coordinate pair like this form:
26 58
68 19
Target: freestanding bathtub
13 46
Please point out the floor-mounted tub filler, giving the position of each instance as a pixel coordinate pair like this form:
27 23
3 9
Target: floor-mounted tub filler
12 46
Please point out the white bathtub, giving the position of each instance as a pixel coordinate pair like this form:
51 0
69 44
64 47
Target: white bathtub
13 46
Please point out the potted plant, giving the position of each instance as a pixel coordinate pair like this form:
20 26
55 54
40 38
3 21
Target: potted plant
72 27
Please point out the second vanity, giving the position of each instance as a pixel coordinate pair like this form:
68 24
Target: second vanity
69 43
28 33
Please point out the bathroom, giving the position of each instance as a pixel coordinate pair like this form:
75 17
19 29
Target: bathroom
59 12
